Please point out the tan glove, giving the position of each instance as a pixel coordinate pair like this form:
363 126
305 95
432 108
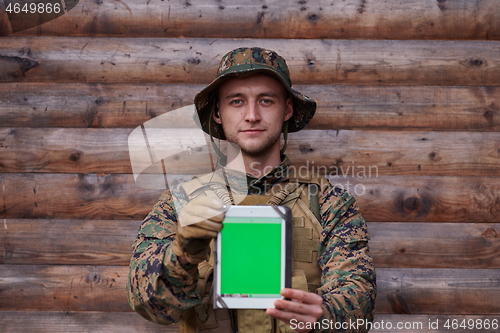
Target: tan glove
199 222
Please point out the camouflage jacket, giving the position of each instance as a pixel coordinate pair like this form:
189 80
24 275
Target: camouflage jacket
160 289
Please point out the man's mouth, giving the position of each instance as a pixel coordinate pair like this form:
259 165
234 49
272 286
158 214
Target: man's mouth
253 131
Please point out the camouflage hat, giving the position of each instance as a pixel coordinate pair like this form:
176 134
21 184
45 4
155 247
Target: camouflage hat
243 62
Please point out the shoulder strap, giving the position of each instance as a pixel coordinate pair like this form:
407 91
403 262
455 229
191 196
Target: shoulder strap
314 183
211 185
304 176
200 183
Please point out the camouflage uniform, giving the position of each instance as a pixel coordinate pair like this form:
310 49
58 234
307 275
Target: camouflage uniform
160 289
163 291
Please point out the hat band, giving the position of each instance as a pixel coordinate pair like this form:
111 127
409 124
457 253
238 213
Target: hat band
236 69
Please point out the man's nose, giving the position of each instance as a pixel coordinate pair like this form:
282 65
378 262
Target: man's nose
252 112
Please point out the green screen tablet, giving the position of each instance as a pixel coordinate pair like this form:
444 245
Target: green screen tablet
253 257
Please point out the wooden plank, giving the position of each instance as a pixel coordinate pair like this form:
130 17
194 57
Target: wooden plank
359 153
345 152
111 322
80 196
63 288
424 199
90 105
424 19
77 150
435 245
67 242
438 291
405 107
101 288
108 242
72 321
339 106
194 61
382 199
4 21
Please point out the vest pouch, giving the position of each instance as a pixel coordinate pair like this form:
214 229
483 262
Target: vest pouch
254 321
222 318
204 313
205 317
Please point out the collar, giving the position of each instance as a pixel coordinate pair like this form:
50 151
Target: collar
241 182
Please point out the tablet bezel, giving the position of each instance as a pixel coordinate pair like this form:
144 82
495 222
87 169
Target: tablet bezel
285 216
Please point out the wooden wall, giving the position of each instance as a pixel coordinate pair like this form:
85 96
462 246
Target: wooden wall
409 89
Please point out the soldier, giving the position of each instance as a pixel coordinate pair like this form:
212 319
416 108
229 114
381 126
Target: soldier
249 104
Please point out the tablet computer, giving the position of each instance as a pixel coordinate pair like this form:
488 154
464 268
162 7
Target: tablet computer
253 259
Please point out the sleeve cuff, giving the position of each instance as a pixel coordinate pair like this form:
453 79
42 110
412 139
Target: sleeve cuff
176 273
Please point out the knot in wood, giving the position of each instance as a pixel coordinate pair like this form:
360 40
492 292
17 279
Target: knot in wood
93 278
490 233
476 62
304 149
412 203
313 18
100 101
419 205
75 156
25 64
433 156
489 115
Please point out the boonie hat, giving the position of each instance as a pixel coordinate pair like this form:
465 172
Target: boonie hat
243 62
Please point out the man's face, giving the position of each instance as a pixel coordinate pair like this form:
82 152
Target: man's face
252 111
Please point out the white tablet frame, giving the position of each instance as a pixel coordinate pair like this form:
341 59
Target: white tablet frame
233 302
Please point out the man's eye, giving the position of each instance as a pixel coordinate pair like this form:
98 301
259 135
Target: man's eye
236 102
266 101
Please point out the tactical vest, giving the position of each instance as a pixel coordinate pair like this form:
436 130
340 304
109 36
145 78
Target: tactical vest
301 195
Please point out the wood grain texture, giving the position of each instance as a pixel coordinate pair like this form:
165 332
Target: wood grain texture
435 245
194 61
362 153
67 242
334 153
438 291
108 242
90 105
80 196
102 288
425 199
4 21
63 288
119 322
351 19
76 322
339 106
382 199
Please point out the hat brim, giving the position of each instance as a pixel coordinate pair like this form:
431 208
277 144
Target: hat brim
205 101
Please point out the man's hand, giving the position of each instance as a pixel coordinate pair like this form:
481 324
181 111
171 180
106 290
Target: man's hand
304 307
199 222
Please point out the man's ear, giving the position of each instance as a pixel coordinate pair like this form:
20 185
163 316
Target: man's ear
216 114
288 109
